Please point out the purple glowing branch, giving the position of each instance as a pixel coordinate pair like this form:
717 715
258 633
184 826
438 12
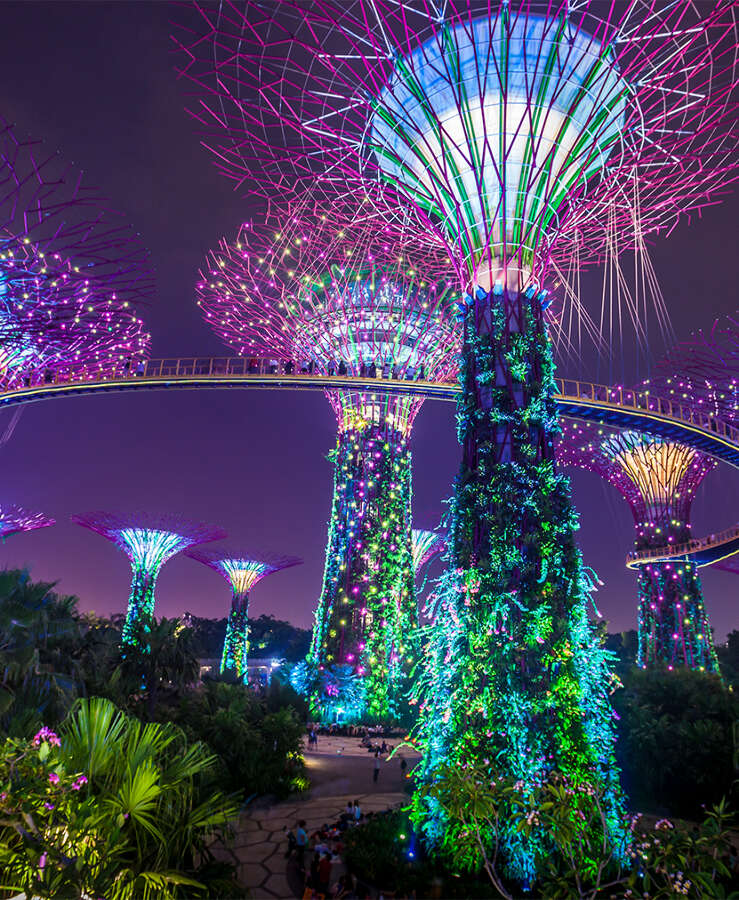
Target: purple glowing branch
71 269
426 545
287 90
704 371
657 478
14 519
242 572
343 295
123 530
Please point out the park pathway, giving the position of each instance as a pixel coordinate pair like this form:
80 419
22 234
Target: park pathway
340 770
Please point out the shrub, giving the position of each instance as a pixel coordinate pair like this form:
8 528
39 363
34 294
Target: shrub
109 807
676 742
259 750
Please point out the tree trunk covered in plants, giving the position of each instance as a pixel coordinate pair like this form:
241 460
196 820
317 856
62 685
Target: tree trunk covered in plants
673 624
515 681
366 618
236 644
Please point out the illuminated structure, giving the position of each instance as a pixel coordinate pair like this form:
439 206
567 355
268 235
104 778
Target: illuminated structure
14 519
71 270
242 573
148 542
518 134
708 367
658 479
342 296
426 544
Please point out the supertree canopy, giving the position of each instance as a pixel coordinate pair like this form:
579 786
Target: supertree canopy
707 367
14 519
339 295
515 133
71 270
242 573
426 544
658 479
148 542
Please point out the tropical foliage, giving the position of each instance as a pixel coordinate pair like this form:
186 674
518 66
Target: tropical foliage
663 860
676 740
256 738
108 807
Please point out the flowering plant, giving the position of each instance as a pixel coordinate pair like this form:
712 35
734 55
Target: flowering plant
659 861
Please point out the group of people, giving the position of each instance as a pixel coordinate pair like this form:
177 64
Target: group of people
327 846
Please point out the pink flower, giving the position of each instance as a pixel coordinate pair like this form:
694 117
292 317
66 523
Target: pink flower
46 734
42 861
48 805
53 778
79 782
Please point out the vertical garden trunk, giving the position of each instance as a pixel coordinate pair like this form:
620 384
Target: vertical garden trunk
236 645
363 640
515 681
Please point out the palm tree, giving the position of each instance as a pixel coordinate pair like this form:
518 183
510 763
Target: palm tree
148 774
162 657
37 669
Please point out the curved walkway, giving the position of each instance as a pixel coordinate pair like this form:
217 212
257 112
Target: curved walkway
340 771
615 406
707 551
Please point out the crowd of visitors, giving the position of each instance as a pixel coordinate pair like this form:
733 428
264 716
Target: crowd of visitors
360 731
325 875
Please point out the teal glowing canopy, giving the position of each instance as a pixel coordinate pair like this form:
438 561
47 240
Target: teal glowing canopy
490 125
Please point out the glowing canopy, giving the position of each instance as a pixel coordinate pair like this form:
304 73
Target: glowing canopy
490 124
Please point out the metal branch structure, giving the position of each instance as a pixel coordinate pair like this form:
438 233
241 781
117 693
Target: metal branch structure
72 271
242 573
426 545
659 480
15 519
708 371
148 542
341 295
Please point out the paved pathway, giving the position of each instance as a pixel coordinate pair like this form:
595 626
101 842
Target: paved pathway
340 771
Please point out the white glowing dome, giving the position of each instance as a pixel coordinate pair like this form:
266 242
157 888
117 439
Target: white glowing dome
491 124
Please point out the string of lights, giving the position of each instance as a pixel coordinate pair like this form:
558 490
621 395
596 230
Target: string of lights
341 295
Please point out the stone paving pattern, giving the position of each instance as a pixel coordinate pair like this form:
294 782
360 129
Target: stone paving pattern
340 771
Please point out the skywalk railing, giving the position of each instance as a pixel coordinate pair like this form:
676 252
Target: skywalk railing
644 400
266 369
686 549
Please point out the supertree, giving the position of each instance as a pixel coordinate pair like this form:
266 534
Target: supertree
14 519
704 371
242 573
71 269
337 294
517 133
658 479
148 542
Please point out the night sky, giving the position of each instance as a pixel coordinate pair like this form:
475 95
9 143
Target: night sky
97 81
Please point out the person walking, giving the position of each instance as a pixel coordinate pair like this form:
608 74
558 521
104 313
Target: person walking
301 842
376 773
403 767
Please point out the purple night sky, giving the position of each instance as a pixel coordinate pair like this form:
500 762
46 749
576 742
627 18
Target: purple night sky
96 80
